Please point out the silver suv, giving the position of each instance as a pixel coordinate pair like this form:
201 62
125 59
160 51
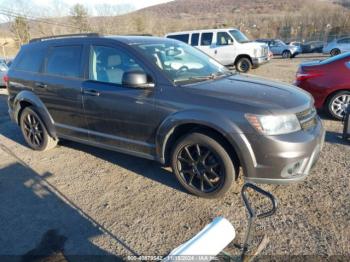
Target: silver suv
278 47
337 46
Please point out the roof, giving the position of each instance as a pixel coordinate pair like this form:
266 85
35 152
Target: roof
126 39
201 31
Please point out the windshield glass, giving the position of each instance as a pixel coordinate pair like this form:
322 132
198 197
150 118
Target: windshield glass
182 63
239 36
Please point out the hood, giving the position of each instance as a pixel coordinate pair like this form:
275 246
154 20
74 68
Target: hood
255 93
253 44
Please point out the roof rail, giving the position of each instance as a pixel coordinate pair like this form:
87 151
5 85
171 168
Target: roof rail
63 36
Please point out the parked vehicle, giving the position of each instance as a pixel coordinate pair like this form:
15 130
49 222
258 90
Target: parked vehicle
313 47
337 46
329 83
230 47
278 47
123 93
3 72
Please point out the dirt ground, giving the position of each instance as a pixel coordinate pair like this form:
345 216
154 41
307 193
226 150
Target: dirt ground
93 203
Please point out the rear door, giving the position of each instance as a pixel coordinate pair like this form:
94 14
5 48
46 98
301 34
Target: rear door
59 87
206 43
344 45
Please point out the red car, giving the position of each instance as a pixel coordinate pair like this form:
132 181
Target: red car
328 81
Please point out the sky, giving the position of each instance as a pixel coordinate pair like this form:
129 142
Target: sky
52 8
137 3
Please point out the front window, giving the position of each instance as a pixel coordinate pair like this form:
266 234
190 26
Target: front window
182 63
224 38
108 64
239 36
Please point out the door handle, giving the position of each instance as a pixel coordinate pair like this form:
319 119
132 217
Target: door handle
40 84
216 51
91 92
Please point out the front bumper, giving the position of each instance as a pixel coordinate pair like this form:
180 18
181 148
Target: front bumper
282 159
260 60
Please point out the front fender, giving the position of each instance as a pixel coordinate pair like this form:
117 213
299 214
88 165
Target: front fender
204 118
34 100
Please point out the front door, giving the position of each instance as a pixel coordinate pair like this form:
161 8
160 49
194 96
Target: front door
118 116
224 51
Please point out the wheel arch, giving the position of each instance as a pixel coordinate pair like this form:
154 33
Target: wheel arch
28 98
243 56
331 94
175 127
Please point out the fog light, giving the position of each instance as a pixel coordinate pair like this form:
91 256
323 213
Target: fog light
292 169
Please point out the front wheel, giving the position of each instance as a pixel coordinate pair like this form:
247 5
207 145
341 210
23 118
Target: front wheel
202 165
338 103
243 65
286 54
34 131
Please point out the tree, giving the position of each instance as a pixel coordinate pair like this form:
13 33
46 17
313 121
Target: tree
80 17
20 29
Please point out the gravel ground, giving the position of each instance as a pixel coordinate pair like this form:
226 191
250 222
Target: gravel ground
89 201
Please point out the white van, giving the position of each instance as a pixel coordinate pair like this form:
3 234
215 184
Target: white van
230 47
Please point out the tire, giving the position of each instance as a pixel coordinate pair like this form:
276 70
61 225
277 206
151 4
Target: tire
337 104
207 174
34 131
335 52
286 54
243 65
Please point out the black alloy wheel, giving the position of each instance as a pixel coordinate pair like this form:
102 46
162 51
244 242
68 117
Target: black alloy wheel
202 165
34 131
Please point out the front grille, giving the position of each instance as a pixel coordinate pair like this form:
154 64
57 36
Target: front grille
265 51
307 118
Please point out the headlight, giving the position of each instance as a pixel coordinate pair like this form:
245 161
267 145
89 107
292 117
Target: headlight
256 52
274 124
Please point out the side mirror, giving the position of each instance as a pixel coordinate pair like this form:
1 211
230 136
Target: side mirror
136 79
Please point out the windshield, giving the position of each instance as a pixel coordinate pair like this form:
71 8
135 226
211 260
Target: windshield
182 63
239 36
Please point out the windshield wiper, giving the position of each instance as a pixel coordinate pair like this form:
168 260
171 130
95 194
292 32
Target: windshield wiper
204 78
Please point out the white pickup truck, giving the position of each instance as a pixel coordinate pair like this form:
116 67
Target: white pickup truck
230 47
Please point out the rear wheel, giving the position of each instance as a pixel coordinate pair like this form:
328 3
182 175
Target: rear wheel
243 65
335 52
34 131
202 165
286 54
338 103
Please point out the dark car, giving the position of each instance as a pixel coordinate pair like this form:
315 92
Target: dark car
164 100
329 83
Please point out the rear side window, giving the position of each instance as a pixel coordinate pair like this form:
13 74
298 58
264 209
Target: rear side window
31 60
64 61
183 38
344 41
207 39
195 39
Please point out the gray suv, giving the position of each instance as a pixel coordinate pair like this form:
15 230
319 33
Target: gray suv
164 100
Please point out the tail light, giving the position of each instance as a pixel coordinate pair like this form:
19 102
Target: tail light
6 80
304 75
